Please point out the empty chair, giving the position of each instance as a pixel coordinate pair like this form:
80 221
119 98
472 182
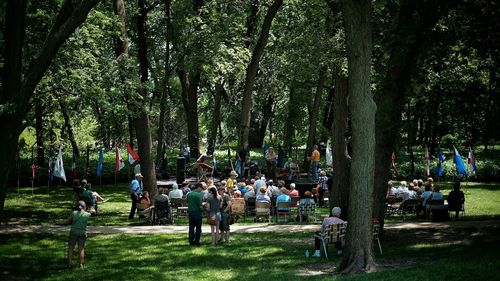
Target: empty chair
237 208
249 207
307 210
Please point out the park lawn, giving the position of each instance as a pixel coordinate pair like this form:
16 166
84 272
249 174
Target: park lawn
53 206
464 254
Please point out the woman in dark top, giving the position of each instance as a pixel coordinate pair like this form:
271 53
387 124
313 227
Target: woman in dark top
214 204
456 199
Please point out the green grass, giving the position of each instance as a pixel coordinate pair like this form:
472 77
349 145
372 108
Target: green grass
463 254
417 254
53 206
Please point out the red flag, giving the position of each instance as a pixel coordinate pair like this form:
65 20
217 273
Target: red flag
393 164
132 156
33 171
119 161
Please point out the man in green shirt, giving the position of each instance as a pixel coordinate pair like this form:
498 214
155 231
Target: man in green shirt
78 233
195 204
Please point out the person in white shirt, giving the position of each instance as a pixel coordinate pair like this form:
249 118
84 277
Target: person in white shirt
176 193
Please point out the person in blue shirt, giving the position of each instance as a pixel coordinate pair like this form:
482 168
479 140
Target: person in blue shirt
283 197
135 193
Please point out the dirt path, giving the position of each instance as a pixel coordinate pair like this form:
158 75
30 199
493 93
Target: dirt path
253 228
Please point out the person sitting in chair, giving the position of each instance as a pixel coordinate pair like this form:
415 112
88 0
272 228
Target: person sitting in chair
334 219
176 193
456 199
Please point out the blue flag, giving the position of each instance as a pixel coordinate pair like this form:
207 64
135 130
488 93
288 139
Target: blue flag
439 168
101 162
459 163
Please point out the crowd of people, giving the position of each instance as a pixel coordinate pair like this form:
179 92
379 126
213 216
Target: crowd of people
424 193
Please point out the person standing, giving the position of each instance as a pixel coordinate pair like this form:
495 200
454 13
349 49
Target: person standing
78 233
195 201
315 156
271 160
242 154
135 193
322 188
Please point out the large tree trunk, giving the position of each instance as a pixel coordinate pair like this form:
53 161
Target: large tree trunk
251 71
341 167
313 115
404 51
16 92
141 122
358 256
327 120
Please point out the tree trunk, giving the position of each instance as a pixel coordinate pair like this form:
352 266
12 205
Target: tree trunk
189 86
327 120
40 155
141 122
164 109
264 122
216 116
341 167
357 256
404 51
314 114
251 22
251 71
16 93
289 133
69 128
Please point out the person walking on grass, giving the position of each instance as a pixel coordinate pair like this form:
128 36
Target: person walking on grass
195 204
78 233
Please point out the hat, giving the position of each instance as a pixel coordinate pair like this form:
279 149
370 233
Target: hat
336 211
139 175
84 181
233 173
82 204
175 186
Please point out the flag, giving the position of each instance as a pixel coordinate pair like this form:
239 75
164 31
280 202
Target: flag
329 156
132 156
459 163
214 162
471 159
427 160
393 162
101 162
119 161
50 176
73 170
439 167
33 171
59 166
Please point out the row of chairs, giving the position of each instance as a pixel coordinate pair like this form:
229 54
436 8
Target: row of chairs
283 211
398 206
336 233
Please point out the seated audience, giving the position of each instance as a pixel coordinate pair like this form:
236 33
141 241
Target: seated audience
250 193
334 219
283 197
293 192
456 199
262 196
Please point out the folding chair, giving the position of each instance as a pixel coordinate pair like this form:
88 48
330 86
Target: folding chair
249 207
334 234
237 207
307 209
376 230
162 213
410 206
280 213
263 210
